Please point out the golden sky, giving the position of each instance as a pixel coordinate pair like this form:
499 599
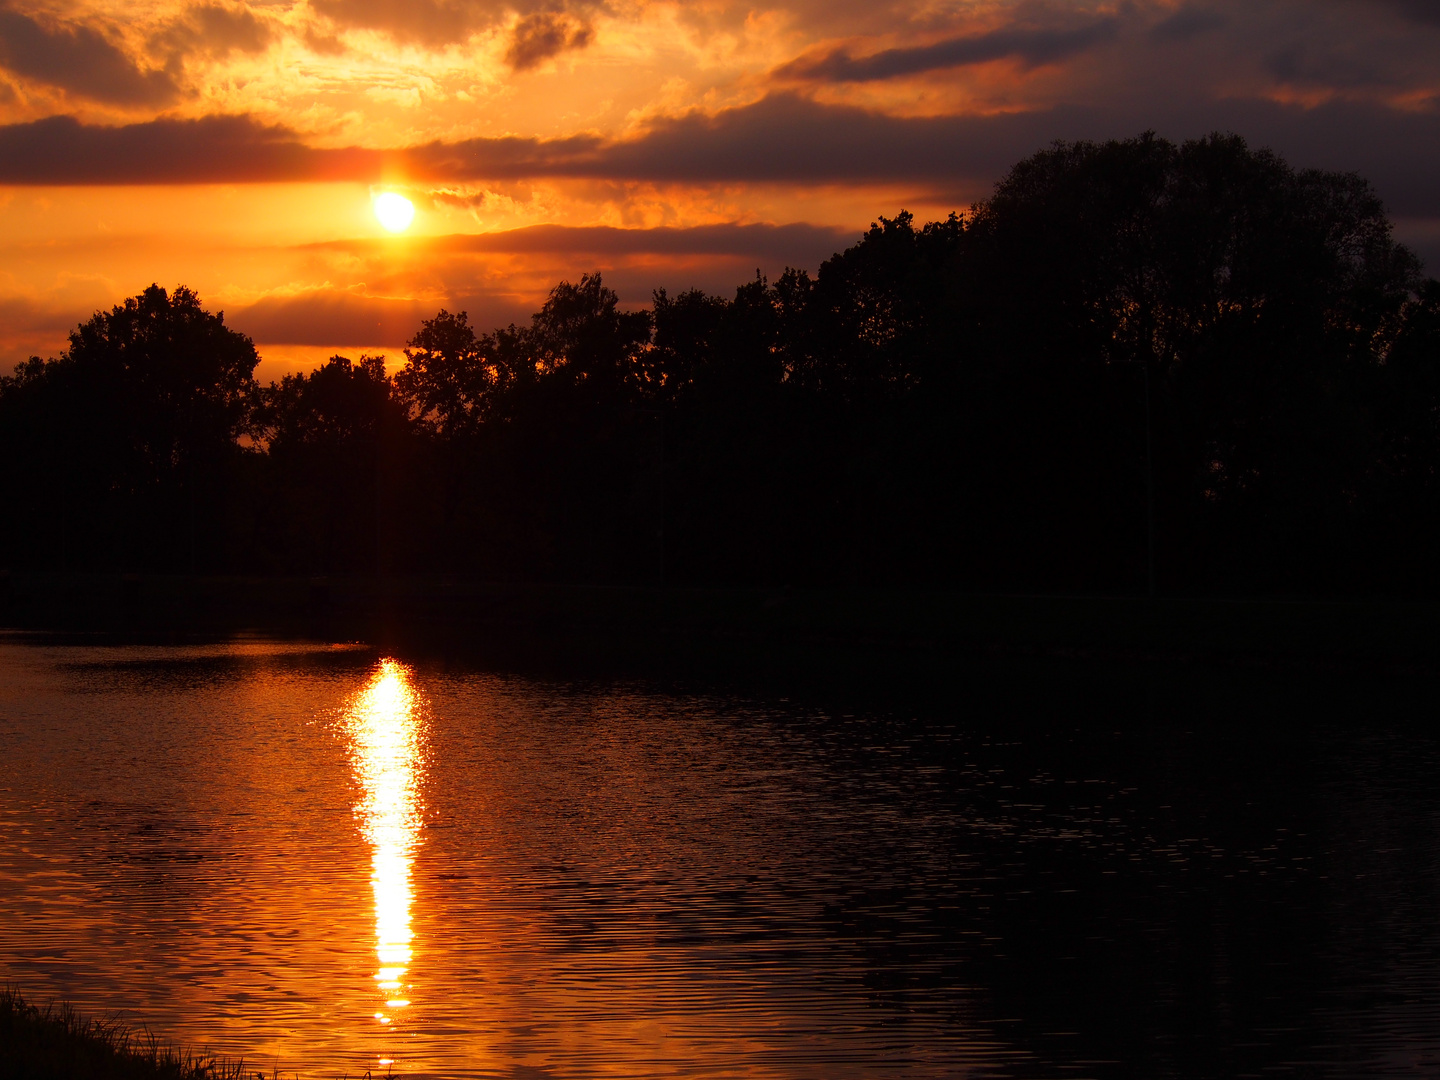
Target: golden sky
236 148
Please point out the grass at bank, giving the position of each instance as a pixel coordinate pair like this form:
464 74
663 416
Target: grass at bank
56 1043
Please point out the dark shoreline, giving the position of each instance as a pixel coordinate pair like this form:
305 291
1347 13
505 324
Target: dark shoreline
739 628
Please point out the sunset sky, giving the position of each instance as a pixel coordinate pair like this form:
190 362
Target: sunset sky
237 148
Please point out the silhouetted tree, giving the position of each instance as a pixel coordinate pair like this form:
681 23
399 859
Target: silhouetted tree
121 450
1128 340
449 377
545 487
1402 496
337 442
1257 297
581 338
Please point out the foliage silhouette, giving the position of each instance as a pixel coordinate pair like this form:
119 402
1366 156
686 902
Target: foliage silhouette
123 450
334 439
1131 347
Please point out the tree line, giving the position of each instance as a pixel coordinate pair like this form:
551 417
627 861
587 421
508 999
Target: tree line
1137 364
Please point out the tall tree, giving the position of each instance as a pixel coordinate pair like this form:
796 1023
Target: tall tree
337 447
450 379
130 435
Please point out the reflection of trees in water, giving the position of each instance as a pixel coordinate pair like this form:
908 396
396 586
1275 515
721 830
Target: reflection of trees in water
1194 885
1162 876
965 402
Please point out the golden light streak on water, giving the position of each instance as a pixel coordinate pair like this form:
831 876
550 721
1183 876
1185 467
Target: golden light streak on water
383 727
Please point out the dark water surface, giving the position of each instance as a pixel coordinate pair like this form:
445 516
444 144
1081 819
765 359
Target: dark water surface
331 863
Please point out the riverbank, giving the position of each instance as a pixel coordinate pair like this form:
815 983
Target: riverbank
740 625
56 1043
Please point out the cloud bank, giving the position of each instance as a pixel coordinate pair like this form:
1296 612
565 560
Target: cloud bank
1030 47
781 138
798 243
79 60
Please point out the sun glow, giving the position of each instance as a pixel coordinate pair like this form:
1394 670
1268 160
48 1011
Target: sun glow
383 726
394 211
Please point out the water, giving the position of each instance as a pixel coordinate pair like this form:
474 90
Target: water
331 862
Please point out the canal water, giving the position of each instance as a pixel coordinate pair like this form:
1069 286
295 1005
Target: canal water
332 861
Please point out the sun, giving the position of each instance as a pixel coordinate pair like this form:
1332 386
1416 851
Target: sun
394 211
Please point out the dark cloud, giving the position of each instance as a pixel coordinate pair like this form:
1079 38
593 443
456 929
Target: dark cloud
797 243
216 149
349 321
1188 22
499 308
30 329
214 31
783 138
239 149
1328 69
1421 11
79 60
538 37
789 138
1032 47
508 157
19 313
330 317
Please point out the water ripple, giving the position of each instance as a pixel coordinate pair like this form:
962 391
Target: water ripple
329 863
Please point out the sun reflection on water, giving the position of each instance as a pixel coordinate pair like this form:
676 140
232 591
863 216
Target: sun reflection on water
383 726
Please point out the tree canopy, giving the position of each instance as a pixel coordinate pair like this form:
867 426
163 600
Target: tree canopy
114 448
1192 342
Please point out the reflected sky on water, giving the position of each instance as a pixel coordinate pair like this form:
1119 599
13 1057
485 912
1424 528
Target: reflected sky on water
331 861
